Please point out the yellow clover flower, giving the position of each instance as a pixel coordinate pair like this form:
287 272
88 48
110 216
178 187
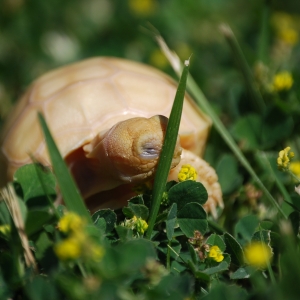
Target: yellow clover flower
284 158
71 222
158 59
137 224
216 254
187 172
282 81
258 254
5 229
289 36
295 168
141 226
142 7
68 249
285 27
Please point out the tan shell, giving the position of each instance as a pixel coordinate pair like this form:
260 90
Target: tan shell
85 98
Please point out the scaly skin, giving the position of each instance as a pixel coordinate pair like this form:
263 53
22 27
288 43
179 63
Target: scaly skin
126 154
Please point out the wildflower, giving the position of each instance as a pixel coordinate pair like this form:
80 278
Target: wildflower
158 59
142 7
258 254
197 241
141 226
284 158
289 36
78 244
165 199
137 224
5 229
295 168
285 28
187 172
68 249
70 222
282 81
216 254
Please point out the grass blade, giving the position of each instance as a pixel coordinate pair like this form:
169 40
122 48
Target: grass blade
167 152
68 188
203 103
264 33
256 97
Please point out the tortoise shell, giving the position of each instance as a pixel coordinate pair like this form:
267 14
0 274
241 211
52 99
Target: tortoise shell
82 99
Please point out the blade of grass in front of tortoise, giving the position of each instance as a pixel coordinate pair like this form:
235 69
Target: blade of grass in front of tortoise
167 152
68 188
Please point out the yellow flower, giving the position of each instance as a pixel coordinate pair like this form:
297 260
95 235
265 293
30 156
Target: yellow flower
5 229
137 224
285 27
158 59
71 222
295 168
282 81
284 158
215 253
68 249
289 36
141 226
258 254
187 172
142 7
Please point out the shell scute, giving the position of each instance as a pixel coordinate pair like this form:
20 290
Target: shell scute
51 83
141 92
17 146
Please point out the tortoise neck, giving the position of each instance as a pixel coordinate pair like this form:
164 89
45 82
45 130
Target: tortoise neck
91 175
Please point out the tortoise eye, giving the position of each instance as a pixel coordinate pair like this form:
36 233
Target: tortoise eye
149 151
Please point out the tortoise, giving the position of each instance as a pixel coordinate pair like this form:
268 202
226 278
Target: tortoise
108 118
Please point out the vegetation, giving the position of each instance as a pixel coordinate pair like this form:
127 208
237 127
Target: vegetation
162 245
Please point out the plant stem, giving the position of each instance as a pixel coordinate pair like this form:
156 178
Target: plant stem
278 182
264 33
271 273
256 97
167 152
82 270
168 256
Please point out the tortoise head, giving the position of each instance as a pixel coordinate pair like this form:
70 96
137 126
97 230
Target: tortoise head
130 150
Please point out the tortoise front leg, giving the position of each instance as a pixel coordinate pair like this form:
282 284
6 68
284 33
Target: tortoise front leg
206 175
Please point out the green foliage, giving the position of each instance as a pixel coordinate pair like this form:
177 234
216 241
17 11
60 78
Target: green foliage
130 264
167 151
252 123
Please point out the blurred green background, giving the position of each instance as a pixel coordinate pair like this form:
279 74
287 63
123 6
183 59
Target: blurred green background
36 36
